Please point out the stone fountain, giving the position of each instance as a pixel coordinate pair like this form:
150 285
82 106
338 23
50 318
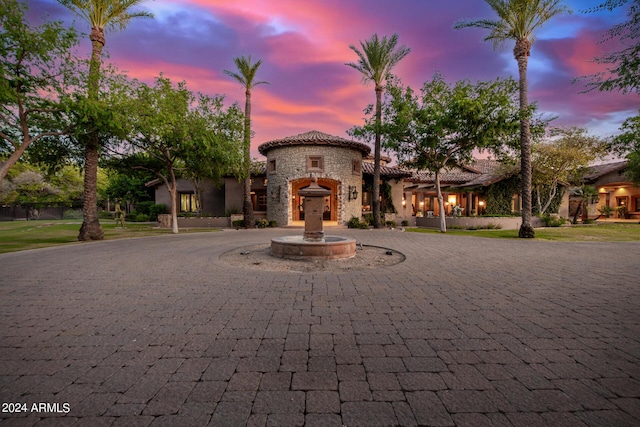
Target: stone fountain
313 244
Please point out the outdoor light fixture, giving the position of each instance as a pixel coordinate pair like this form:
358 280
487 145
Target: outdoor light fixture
353 192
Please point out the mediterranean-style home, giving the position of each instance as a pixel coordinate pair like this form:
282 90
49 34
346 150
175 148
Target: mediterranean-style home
614 191
345 167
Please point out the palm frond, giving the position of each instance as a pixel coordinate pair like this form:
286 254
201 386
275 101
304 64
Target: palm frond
111 14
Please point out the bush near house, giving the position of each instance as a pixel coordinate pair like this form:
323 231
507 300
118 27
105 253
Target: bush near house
355 222
553 221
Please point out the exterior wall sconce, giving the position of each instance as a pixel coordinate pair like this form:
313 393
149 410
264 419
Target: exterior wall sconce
353 192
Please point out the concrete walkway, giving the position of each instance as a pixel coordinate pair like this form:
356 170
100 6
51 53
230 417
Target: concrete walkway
467 331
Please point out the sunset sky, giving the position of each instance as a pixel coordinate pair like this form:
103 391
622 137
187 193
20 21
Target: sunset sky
304 45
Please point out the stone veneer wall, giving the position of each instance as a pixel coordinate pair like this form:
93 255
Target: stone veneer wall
291 164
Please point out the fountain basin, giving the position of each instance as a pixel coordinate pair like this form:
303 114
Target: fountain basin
329 247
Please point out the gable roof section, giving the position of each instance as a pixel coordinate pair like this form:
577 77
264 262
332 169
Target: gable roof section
596 171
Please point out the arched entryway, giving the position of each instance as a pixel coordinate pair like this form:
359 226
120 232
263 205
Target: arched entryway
330 202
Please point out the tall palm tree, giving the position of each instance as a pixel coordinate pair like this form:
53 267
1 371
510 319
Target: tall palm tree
246 76
518 19
100 15
375 61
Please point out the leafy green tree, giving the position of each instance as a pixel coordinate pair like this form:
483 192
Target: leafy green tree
27 185
169 126
627 143
623 66
159 128
443 124
562 159
214 146
38 72
128 187
376 59
517 20
246 75
100 15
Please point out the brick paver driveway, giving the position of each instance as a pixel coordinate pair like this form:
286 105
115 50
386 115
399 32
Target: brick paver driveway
467 331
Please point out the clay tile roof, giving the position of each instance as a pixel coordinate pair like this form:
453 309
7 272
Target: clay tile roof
388 171
446 178
313 138
480 172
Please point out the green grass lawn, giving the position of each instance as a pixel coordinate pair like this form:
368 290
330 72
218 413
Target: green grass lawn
22 235
587 233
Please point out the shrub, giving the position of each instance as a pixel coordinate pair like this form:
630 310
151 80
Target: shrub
273 224
262 223
138 217
155 210
405 223
144 207
391 224
552 221
355 222
238 223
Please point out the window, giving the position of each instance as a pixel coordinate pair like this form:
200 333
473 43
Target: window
188 202
272 166
259 199
637 204
315 164
356 168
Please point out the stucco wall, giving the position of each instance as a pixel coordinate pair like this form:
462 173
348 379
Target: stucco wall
213 197
233 194
291 164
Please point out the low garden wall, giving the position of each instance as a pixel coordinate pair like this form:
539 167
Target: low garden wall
504 223
164 221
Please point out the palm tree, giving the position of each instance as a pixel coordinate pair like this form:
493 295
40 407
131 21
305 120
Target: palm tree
100 15
375 61
518 19
246 75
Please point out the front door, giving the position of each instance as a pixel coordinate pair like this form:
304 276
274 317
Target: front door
330 202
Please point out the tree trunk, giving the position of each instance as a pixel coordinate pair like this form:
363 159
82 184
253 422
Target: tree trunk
443 219
13 159
375 196
575 216
552 195
173 191
91 229
247 208
521 53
